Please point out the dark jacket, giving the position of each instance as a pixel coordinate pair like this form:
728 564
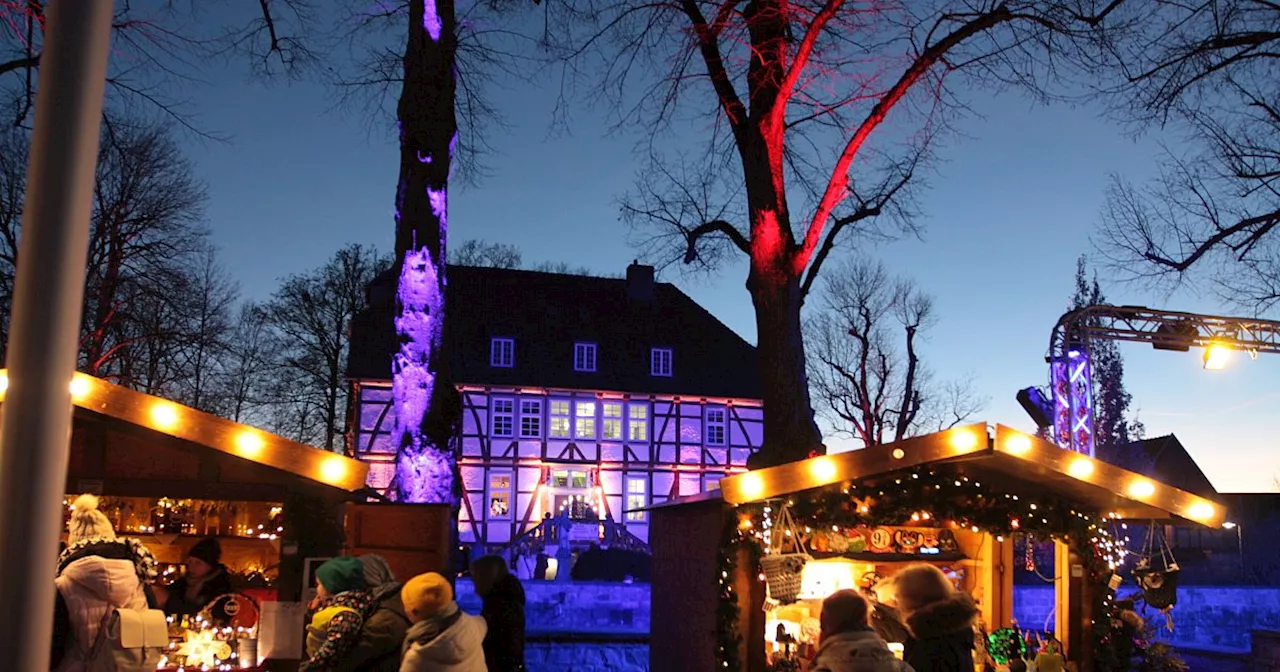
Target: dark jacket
382 636
217 585
503 612
942 636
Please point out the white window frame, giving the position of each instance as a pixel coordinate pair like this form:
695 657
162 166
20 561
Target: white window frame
502 353
490 491
619 420
508 415
660 362
531 409
722 424
584 357
632 515
643 423
567 416
592 420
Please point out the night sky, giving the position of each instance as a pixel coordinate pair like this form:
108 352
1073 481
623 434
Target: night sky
1009 209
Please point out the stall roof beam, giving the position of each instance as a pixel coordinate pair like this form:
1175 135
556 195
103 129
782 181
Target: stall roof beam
996 454
186 423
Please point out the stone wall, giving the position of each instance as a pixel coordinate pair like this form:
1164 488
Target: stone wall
583 656
581 607
1208 617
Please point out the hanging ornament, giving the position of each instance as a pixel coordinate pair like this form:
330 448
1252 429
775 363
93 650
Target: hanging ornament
1030 562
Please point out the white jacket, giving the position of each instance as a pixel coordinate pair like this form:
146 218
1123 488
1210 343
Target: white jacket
93 587
861 651
460 648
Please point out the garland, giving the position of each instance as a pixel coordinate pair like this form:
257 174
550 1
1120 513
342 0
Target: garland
728 640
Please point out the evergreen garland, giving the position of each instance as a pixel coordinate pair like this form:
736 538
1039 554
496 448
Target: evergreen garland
728 640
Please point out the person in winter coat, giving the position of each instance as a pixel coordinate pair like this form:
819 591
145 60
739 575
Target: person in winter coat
503 612
339 612
205 580
98 574
847 642
381 638
442 637
939 619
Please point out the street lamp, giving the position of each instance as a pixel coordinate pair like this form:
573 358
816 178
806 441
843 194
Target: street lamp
1216 355
1239 543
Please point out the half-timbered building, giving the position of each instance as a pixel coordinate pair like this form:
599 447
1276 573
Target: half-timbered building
595 396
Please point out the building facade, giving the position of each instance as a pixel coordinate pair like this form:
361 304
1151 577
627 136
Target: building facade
591 396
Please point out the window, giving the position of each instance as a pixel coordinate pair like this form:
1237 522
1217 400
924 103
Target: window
638 423
530 418
560 419
637 497
584 356
503 417
499 495
612 413
502 352
564 478
584 420
711 482
715 419
660 362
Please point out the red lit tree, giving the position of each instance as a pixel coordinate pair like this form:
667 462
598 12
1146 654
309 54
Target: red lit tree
832 103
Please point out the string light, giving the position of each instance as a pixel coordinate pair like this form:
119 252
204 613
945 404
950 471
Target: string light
164 415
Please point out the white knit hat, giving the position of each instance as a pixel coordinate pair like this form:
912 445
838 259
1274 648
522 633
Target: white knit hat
87 522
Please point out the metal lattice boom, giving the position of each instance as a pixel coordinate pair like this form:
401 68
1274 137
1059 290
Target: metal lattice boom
1163 329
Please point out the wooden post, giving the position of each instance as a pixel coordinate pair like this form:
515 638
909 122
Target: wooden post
1074 605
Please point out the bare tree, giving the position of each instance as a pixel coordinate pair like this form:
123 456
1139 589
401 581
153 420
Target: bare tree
246 368
833 103
476 252
864 363
1206 70
206 327
13 186
311 315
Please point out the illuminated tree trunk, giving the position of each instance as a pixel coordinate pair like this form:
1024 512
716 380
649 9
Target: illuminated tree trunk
426 412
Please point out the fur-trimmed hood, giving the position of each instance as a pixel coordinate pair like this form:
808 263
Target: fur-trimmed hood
945 617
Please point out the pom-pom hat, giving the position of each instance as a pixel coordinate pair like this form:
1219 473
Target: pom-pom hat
87 522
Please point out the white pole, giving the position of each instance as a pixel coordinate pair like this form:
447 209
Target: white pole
35 424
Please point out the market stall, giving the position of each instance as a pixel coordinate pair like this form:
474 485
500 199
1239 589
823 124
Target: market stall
774 542
169 476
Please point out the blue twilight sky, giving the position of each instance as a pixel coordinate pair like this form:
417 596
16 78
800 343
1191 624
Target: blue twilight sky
1012 207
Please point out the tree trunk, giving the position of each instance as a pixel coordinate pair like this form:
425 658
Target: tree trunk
426 406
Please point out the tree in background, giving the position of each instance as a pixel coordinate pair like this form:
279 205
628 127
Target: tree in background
864 365
1112 426
823 112
481 253
1207 71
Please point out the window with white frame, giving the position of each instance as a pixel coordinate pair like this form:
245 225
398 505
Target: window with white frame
611 412
637 497
559 419
638 422
584 356
502 352
500 494
584 420
530 418
716 425
660 362
503 417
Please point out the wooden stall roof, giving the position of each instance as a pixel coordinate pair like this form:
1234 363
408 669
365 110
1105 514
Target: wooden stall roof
991 453
186 423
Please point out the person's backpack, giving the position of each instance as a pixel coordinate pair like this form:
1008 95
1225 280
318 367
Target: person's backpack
129 641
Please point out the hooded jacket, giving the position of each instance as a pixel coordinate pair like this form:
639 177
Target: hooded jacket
857 651
942 635
459 648
383 635
342 617
95 578
503 612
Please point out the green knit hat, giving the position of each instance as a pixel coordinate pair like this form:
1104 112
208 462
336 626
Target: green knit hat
341 574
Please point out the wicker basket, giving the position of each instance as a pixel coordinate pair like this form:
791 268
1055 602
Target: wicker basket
782 575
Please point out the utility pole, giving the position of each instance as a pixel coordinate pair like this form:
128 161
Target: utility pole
35 422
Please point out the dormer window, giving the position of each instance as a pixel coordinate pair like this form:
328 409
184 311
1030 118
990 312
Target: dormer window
502 353
660 362
584 356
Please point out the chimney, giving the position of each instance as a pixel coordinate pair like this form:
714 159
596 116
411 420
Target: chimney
639 282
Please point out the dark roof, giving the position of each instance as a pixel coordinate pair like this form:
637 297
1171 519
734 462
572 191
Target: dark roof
546 313
1164 459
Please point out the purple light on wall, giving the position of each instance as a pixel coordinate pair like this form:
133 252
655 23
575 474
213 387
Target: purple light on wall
1072 384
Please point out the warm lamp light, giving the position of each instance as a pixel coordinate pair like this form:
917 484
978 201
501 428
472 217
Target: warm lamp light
823 468
164 415
333 469
1081 468
1141 489
752 485
899 453
79 387
4 382
963 440
249 443
1228 525
1018 444
1201 511
1216 355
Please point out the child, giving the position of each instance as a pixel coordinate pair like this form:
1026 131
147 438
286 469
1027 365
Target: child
442 638
848 642
341 606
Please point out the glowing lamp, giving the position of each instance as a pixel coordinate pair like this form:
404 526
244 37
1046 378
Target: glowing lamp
249 444
1216 355
1081 468
1018 444
820 578
1141 489
963 440
823 468
1201 511
1228 525
79 387
164 415
333 469
899 453
752 485
4 382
